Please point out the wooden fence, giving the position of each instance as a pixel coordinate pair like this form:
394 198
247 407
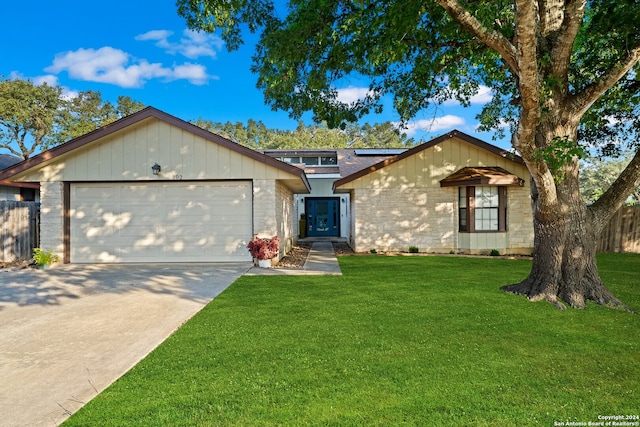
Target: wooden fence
19 230
622 234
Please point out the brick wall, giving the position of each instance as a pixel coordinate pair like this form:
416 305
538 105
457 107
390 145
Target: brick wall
520 221
273 212
286 218
394 219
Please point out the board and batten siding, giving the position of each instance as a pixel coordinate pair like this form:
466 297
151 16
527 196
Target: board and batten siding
427 167
129 154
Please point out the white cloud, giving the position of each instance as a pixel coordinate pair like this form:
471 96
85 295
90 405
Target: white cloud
436 124
193 45
154 35
352 94
194 73
114 66
483 96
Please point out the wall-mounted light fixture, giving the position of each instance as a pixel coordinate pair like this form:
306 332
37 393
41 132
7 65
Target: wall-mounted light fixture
156 169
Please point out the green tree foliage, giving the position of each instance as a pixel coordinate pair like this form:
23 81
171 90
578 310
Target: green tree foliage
27 115
561 73
599 173
87 112
257 136
37 117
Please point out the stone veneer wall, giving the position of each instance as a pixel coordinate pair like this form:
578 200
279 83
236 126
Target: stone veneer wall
519 221
352 220
273 212
51 217
394 219
286 218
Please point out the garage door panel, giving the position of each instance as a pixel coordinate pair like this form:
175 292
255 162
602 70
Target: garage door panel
160 222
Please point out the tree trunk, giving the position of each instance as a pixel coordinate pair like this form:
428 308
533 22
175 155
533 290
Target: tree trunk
564 265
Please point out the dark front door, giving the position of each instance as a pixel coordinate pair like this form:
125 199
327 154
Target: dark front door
323 216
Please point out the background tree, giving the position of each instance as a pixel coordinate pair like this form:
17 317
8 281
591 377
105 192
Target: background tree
257 136
87 112
37 117
598 173
27 115
562 73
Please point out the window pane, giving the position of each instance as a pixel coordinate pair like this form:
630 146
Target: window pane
486 219
310 161
462 197
328 161
291 159
462 219
487 197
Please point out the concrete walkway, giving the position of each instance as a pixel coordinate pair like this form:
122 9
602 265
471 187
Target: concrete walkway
321 260
69 332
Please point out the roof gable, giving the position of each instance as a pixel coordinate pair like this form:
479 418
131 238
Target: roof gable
127 125
441 167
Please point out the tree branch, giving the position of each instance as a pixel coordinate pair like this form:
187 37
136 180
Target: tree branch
491 38
563 45
612 199
11 149
580 102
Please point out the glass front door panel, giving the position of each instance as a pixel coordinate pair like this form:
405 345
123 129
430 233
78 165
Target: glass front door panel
323 217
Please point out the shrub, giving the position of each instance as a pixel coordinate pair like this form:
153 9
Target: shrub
264 247
42 257
413 249
494 252
373 251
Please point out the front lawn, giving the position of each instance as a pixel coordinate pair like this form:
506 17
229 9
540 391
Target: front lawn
428 341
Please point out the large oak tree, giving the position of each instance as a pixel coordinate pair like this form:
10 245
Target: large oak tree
564 74
35 117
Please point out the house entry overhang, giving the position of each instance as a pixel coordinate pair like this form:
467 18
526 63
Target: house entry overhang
482 175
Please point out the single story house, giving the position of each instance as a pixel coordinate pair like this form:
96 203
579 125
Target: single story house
454 193
153 188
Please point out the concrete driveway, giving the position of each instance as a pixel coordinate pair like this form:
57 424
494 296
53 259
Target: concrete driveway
69 332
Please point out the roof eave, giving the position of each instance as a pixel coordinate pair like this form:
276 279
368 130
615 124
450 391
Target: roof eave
148 112
454 133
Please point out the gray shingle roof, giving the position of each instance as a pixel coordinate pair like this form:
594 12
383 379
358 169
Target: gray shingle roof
7 160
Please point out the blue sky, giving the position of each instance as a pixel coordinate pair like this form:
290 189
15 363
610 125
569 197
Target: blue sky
142 49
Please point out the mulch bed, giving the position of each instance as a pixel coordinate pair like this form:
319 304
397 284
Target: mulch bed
298 255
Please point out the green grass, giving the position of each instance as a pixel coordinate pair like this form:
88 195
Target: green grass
394 341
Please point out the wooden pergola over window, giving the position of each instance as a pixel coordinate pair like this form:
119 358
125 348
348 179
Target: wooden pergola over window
482 175
482 197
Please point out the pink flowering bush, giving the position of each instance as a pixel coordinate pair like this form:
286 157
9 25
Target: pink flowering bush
263 247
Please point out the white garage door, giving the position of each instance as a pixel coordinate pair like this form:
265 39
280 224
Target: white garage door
160 221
